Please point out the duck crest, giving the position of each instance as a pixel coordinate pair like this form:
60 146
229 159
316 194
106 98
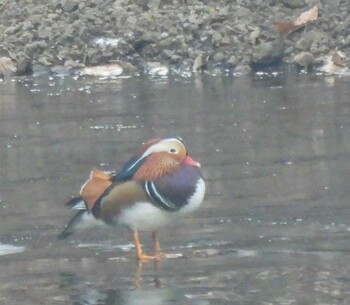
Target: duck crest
156 166
147 144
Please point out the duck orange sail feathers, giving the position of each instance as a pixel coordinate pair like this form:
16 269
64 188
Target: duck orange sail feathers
160 183
90 192
92 189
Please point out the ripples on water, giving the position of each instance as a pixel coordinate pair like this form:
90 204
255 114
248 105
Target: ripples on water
275 153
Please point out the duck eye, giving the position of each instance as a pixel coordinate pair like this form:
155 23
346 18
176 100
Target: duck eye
173 150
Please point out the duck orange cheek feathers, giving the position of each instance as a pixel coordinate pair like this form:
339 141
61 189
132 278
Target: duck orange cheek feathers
157 185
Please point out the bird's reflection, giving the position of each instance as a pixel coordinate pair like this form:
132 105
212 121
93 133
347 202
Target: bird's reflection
106 289
139 274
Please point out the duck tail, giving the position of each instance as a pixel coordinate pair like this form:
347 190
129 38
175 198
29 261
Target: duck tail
76 203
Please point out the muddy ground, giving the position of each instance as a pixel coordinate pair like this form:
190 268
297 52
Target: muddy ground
181 35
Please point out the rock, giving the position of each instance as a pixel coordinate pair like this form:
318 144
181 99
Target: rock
310 38
156 69
218 57
44 60
53 16
35 47
242 70
35 19
268 53
73 64
253 36
27 25
173 32
335 63
69 6
24 64
45 32
242 12
168 53
304 59
103 70
153 4
232 60
12 30
294 3
128 68
26 37
198 63
339 59
216 38
7 66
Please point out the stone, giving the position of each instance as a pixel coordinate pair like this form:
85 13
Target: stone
218 57
34 47
26 37
310 38
232 60
304 59
44 60
70 6
24 64
268 53
73 64
7 66
27 25
294 3
45 32
103 70
230 33
198 63
242 69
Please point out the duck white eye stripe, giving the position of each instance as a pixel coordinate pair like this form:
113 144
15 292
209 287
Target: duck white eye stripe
158 148
158 198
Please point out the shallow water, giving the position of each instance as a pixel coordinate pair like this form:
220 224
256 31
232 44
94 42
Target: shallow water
274 227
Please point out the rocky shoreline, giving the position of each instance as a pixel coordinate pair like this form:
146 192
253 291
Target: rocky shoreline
180 35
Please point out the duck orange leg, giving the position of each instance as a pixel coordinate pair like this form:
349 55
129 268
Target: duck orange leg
139 255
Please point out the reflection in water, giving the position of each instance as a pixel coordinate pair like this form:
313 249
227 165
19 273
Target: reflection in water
130 297
273 230
98 292
139 270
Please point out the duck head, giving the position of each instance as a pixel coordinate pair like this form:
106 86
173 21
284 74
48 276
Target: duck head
157 157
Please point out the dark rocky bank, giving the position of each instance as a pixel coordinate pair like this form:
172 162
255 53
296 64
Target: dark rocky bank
187 35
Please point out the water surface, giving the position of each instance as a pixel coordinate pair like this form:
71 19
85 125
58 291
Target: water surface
274 227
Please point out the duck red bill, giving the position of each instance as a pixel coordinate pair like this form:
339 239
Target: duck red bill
190 161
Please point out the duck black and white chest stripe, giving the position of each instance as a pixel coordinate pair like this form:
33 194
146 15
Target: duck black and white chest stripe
169 197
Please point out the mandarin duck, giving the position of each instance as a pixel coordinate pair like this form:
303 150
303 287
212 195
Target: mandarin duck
160 183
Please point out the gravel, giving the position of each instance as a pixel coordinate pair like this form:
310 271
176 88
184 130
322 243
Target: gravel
179 35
